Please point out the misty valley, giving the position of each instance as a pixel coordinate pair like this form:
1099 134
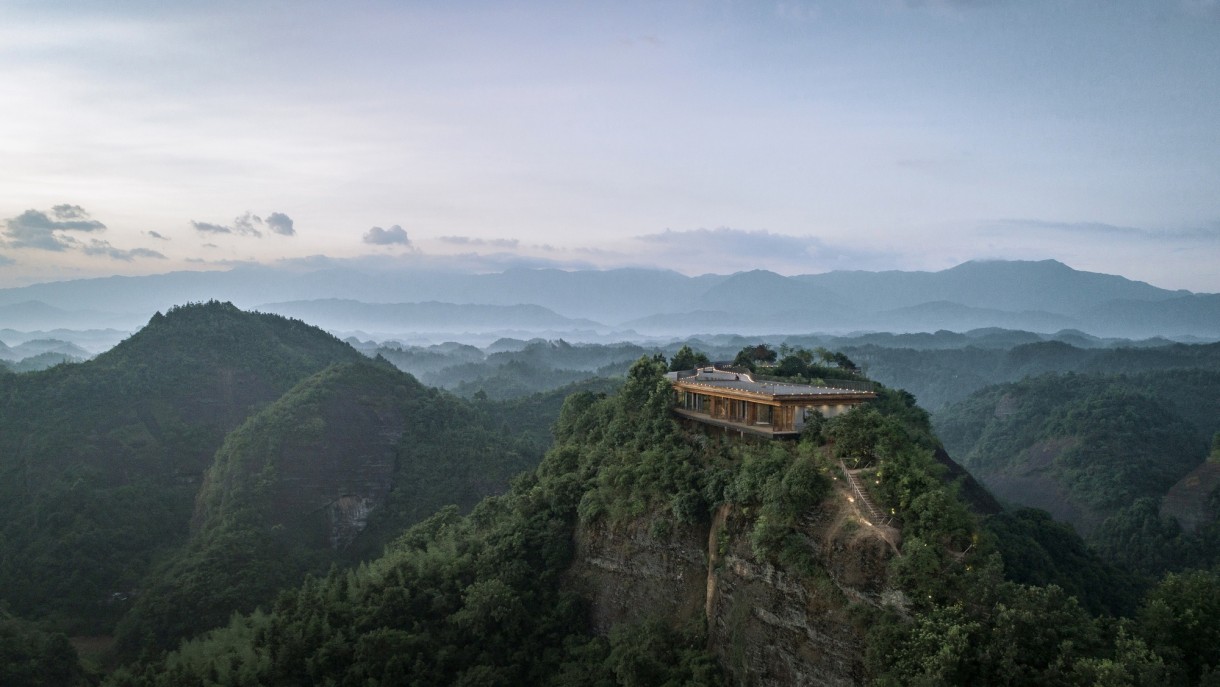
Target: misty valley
232 497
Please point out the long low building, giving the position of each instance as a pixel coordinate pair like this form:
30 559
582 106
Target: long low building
734 402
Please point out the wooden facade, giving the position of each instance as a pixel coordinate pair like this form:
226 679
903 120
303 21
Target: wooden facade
735 402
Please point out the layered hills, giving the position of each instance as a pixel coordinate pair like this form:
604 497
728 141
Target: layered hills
642 554
329 473
639 551
1044 296
217 455
103 458
1122 458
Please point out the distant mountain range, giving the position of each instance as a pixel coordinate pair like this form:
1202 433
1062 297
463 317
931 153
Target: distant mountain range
1042 296
339 314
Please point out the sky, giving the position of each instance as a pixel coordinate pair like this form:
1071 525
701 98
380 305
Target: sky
704 136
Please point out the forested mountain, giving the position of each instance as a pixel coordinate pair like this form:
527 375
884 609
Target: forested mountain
510 370
1102 452
217 455
39 354
641 554
330 472
940 376
939 368
209 462
102 459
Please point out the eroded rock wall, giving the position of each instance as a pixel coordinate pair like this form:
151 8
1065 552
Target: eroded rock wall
768 625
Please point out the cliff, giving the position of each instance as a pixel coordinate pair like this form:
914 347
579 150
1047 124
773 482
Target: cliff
767 624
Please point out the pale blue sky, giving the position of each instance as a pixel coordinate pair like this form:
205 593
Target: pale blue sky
706 136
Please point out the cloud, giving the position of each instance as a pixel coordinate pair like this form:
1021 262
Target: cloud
249 224
385 237
37 229
472 241
736 241
69 212
208 228
157 235
6 260
227 262
281 224
99 247
469 263
1100 230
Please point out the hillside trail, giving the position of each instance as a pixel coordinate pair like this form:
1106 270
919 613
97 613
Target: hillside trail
868 510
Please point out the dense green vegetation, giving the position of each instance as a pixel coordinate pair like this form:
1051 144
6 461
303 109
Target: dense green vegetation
101 460
258 521
166 483
1111 446
943 376
1039 551
1140 539
31 657
481 599
937 368
466 600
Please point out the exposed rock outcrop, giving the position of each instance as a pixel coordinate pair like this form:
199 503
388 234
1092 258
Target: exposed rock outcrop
1188 500
769 625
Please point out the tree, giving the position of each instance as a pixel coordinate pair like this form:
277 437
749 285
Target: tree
844 362
1180 621
688 359
792 366
752 355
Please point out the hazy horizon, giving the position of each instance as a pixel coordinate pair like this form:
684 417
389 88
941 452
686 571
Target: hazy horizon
703 137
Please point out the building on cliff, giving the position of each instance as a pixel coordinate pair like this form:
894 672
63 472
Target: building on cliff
734 402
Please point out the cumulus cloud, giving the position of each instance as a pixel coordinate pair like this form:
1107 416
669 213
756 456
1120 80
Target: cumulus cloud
249 224
209 228
99 247
69 212
281 224
49 231
386 237
472 241
157 235
45 230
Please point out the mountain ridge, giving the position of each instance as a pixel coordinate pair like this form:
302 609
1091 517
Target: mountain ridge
1043 295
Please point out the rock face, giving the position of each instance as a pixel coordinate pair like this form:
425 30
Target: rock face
768 625
771 629
629 574
1190 500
